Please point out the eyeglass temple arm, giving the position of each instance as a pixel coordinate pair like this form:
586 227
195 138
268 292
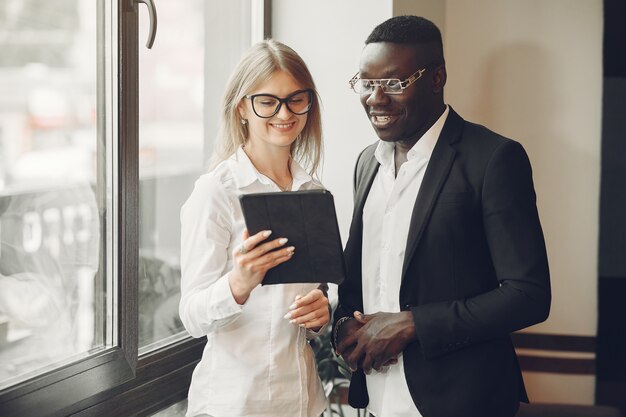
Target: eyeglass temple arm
352 80
412 78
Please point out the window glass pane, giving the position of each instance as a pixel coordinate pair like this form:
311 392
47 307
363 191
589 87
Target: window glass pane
181 86
52 287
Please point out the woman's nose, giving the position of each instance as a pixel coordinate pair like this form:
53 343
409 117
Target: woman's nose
283 112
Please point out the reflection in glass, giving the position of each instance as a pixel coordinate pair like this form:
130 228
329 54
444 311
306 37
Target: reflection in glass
181 84
170 156
52 289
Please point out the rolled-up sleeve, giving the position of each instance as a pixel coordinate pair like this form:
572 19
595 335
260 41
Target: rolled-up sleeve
206 299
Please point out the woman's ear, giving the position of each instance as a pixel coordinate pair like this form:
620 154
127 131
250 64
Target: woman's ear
242 111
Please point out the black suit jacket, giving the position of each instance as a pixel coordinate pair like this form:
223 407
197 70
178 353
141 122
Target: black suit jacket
475 270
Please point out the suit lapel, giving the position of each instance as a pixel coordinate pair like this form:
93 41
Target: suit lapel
434 178
365 180
367 166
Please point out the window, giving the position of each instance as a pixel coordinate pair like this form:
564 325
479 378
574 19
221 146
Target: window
180 88
50 210
100 143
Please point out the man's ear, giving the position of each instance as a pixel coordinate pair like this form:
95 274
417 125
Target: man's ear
440 77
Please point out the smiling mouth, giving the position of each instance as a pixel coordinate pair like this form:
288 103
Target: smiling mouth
381 121
283 126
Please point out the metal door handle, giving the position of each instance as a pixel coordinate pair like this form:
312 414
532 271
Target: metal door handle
153 21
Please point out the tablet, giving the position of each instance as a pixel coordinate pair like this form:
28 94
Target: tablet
308 219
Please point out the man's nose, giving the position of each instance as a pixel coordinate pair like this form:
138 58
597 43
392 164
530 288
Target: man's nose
377 97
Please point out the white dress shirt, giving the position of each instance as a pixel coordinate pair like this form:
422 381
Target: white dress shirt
255 363
386 218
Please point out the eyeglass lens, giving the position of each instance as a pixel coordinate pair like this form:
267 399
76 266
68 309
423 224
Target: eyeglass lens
265 105
389 86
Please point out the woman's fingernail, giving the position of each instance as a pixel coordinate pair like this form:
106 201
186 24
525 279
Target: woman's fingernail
283 240
293 306
287 316
267 233
292 321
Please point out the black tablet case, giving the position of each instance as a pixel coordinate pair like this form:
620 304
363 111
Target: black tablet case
308 219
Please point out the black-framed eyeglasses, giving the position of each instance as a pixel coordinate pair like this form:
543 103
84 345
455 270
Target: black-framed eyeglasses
388 85
267 105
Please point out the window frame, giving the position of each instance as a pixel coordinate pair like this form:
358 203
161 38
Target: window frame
118 381
59 391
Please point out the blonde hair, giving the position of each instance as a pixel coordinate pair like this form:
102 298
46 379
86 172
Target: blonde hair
259 63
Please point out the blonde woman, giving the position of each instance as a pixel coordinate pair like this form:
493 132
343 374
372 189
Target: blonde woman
257 361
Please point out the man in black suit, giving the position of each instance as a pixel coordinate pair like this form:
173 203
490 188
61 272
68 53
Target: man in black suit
446 255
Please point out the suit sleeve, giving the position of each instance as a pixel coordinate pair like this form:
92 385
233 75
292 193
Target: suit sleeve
517 248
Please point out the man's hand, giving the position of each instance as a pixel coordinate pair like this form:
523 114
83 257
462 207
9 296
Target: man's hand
374 341
346 339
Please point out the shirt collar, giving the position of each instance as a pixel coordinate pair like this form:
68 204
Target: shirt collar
246 173
423 147
299 175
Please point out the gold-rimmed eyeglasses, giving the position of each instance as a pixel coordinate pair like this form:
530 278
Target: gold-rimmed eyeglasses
388 85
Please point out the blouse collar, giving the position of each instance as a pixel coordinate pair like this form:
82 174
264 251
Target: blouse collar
246 173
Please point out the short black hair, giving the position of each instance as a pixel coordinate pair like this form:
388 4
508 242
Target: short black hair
407 30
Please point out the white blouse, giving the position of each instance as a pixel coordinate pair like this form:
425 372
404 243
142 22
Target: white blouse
255 362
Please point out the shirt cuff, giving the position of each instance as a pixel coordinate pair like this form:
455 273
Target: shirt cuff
312 334
223 302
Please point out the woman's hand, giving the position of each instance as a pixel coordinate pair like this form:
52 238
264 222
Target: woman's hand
251 262
310 311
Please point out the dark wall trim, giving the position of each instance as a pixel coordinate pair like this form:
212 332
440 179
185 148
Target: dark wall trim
614 38
611 393
611 356
564 343
612 330
553 343
557 365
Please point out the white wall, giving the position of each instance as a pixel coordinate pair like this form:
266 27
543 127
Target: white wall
529 70
533 71
329 35
542 87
